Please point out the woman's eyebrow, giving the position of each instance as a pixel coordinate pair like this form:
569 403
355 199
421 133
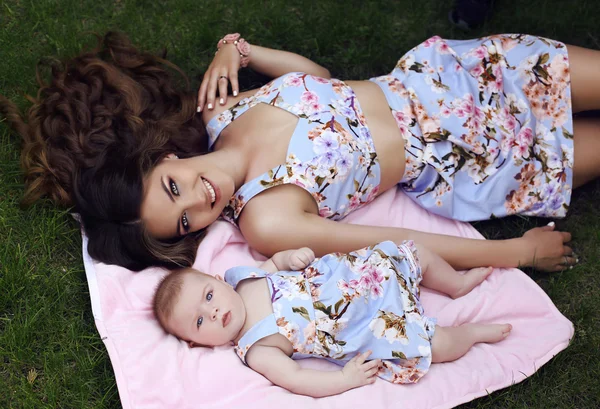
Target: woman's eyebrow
167 191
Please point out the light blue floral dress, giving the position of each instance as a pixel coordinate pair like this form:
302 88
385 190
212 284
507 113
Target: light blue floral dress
331 153
487 126
344 304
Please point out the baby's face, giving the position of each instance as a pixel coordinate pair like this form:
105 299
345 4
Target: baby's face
208 311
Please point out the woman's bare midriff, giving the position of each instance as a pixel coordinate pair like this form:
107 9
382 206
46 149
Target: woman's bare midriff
389 144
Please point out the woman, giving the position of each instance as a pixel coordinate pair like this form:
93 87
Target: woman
484 126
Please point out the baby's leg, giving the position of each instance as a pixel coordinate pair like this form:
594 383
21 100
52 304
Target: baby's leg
450 343
440 276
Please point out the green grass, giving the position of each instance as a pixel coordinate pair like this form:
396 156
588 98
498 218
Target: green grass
50 353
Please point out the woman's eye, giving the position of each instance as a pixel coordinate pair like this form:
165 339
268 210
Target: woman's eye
184 222
209 296
199 322
174 188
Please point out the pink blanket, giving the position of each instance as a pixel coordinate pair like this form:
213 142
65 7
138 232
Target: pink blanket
155 370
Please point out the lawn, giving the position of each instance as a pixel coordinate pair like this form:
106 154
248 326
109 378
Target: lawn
50 353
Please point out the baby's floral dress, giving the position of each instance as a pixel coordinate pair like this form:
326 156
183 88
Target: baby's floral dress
345 304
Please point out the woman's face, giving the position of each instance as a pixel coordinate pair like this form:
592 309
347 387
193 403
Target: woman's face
183 196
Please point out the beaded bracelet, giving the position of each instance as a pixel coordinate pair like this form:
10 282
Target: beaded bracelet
242 46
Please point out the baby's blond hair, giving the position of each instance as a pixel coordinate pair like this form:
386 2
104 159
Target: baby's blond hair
167 294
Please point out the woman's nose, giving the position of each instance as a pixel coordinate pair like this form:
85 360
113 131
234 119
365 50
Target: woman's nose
196 199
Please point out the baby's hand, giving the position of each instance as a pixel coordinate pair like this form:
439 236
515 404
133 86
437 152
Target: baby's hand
358 372
301 258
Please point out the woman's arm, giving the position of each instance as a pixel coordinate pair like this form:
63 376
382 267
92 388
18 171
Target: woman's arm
225 66
281 370
540 248
275 63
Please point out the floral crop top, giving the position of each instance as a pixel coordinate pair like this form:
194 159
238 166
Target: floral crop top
331 152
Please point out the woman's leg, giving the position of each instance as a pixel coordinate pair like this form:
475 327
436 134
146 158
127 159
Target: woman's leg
440 276
584 66
450 343
586 141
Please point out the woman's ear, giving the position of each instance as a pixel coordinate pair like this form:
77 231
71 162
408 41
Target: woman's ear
171 156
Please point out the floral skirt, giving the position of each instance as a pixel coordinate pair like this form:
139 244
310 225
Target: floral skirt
487 126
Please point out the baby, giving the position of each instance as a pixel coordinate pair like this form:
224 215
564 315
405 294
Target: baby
360 310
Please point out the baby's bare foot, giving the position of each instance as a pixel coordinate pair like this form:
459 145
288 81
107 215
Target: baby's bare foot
489 333
472 279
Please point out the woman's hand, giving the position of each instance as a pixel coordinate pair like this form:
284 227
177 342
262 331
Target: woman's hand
547 249
301 258
222 70
357 372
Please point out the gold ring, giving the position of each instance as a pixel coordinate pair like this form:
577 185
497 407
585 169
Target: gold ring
222 76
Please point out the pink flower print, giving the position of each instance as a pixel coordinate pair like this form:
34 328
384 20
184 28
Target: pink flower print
355 201
325 211
353 284
445 112
371 193
497 85
314 133
510 122
525 136
366 281
431 41
443 48
320 80
480 52
477 71
292 80
401 117
326 142
457 67
521 151
559 68
343 286
376 275
559 117
376 292
309 97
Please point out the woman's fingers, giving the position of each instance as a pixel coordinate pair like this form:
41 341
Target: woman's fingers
211 91
202 93
233 79
222 83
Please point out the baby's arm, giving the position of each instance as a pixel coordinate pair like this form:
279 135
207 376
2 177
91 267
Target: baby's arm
276 366
289 260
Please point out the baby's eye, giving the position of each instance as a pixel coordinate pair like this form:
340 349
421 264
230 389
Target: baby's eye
174 187
209 296
199 322
185 222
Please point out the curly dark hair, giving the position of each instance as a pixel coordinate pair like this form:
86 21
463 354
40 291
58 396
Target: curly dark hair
101 124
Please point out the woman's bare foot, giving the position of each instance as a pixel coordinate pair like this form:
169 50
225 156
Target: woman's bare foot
472 279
